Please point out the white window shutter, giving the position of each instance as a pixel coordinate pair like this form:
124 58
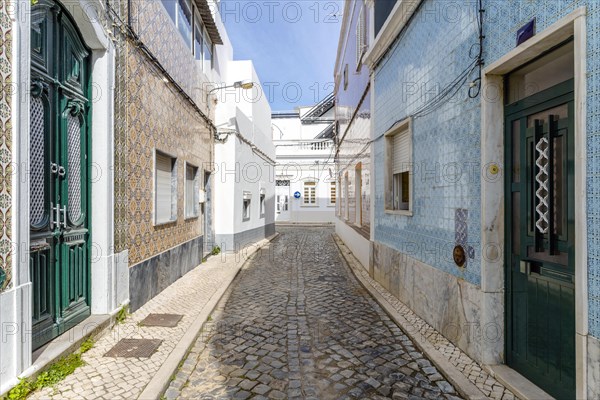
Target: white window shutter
190 191
401 152
164 171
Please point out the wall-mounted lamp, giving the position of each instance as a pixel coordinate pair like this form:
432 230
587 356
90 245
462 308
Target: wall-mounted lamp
236 85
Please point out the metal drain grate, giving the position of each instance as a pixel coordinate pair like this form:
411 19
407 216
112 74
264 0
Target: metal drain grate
164 320
134 348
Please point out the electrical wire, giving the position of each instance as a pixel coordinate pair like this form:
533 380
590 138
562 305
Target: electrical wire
475 87
456 84
126 30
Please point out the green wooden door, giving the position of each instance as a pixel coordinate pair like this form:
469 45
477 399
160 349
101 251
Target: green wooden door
59 165
540 287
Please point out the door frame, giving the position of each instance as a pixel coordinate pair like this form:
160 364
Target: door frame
109 269
492 187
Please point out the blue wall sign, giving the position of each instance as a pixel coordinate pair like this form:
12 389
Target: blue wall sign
297 195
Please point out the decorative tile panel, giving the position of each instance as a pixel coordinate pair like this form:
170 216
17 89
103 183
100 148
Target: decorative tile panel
6 38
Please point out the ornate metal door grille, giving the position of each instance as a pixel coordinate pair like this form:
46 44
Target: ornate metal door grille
37 163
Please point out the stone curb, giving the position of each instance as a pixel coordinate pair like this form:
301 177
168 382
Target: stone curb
160 381
464 387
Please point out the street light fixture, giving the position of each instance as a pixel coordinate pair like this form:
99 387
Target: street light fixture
236 85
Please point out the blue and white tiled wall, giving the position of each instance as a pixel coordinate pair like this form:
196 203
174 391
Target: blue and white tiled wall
503 20
446 143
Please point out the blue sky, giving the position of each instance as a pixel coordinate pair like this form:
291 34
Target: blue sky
293 45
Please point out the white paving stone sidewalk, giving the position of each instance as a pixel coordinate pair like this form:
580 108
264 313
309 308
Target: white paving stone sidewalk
472 370
125 378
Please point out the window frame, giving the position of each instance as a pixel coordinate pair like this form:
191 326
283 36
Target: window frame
174 190
333 189
196 20
196 201
405 126
345 77
198 25
262 203
246 211
310 184
361 37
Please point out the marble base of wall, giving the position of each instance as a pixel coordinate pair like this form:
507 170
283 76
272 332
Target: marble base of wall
15 346
237 241
450 305
593 366
152 276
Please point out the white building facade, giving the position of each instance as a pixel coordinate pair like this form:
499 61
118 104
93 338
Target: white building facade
244 161
306 190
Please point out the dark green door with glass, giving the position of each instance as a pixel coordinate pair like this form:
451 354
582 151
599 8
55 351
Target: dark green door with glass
59 165
540 239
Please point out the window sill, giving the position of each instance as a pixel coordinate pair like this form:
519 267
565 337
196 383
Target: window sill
309 205
191 217
407 213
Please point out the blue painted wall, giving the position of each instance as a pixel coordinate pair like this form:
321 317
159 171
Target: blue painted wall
433 50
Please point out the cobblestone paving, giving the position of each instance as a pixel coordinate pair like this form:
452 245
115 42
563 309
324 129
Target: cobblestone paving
472 370
297 325
125 378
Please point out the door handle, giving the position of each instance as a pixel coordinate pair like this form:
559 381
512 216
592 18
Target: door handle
64 214
55 218
52 209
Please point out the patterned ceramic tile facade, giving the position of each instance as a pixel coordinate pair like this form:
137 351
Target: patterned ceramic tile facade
6 38
503 20
446 143
152 114
153 25
121 214
158 117
410 74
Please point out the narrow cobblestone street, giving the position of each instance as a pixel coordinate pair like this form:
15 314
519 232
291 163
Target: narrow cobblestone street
296 324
